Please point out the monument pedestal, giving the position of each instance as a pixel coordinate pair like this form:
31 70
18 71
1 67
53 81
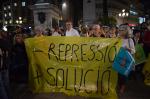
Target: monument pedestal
46 15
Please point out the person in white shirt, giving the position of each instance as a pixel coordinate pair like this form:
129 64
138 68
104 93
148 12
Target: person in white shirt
70 31
56 32
39 31
128 44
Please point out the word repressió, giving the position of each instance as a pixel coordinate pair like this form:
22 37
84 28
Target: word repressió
74 52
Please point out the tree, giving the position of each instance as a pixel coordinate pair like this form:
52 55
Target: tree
107 20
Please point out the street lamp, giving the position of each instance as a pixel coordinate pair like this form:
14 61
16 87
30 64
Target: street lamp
123 13
64 5
123 10
127 14
64 9
20 18
6 22
17 21
20 22
10 21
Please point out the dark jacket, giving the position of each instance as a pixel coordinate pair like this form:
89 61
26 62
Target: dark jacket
139 41
5 50
19 55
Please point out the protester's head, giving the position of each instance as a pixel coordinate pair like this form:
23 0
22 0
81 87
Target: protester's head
3 34
69 24
18 29
124 31
84 29
148 26
137 33
96 28
112 32
62 31
0 34
39 31
106 29
56 29
19 38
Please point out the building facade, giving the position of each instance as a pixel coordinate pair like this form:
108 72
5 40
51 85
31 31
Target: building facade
94 9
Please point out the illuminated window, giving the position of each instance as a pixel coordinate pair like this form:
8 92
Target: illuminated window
6 22
15 4
9 14
10 21
8 6
23 4
4 8
5 15
20 18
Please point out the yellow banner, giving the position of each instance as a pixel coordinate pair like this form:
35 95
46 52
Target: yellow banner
73 65
146 71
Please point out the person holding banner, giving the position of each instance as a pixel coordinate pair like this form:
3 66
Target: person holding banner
70 30
56 32
84 31
96 31
39 31
112 32
128 45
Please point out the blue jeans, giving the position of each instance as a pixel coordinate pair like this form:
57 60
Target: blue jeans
4 85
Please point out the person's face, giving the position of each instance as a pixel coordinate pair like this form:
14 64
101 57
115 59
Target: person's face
96 29
4 34
19 30
138 34
114 30
19 38
123 33
148 27
68 25
38 32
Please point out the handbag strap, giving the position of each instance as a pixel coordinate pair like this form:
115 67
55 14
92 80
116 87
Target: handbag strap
129 43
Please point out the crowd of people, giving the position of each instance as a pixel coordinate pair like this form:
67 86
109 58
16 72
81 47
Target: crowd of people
14 61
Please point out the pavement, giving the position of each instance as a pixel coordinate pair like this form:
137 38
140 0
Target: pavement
135 90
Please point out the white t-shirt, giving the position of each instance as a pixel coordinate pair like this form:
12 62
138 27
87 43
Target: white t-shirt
56 34
72 32
128 43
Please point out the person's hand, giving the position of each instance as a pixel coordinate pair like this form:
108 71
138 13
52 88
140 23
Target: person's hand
128 49
142 44
91 33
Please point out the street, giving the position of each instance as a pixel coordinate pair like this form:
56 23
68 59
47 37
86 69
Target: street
135 90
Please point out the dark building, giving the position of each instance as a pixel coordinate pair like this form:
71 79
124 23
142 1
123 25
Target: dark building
17 12
75 11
